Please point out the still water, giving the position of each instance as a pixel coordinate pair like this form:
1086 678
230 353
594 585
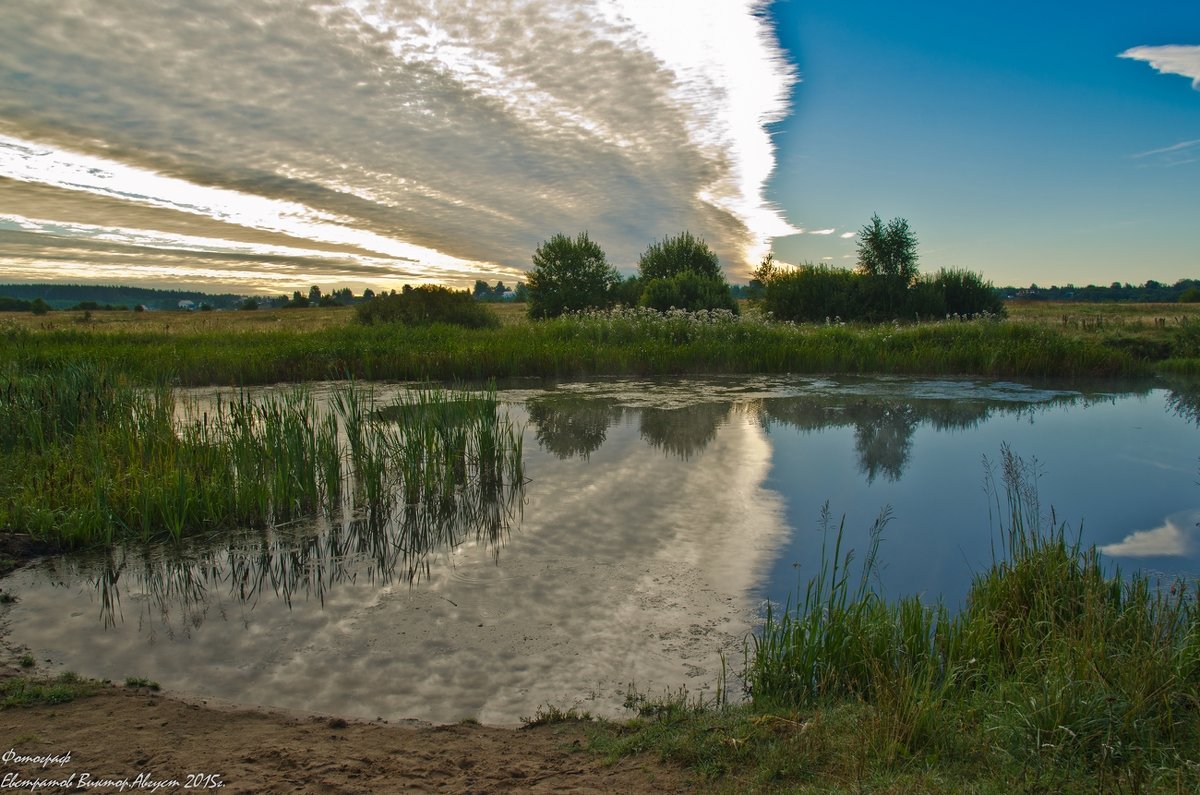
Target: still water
658 518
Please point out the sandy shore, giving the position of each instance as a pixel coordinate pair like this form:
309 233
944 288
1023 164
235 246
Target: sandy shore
121 734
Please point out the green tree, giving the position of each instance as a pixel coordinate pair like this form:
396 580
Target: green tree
887 258
674 255
39 307
569 274
888 251
684 273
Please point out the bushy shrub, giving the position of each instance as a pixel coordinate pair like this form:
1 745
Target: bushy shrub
966 293
689 291
425 305
569 274
813 293
925 300
1190 296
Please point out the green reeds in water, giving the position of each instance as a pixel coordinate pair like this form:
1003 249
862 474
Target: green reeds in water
1054 665
91 458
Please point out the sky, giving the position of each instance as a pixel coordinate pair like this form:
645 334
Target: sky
261 146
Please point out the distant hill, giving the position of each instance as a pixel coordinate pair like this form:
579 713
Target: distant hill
65 296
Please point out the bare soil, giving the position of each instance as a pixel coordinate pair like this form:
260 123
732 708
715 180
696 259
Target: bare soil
122 733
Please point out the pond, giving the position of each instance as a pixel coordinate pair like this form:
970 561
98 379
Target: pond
657 518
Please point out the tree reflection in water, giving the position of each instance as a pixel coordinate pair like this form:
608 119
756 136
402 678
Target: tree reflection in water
572 425
686 431
575 424
1184 399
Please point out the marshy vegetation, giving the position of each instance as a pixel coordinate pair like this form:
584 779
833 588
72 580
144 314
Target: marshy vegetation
91 457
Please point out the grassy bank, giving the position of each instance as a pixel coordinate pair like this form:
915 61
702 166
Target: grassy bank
623 342
1056 676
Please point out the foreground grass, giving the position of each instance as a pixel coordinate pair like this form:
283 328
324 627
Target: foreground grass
626 342
31 691
1056 676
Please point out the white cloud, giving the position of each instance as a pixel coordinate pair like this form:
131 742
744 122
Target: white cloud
1171 59
1179 147
453 136
847 235
1175 537
1174 155
822 231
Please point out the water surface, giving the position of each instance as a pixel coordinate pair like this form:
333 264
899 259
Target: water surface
657 518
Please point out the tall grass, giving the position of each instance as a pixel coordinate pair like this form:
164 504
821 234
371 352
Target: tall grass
89 457
1054 665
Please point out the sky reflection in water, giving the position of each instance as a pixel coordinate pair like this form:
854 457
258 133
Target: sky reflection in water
658 516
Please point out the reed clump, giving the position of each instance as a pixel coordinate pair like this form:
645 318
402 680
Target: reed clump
89 456
1055 671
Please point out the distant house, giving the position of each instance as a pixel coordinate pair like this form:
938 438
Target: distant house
187 305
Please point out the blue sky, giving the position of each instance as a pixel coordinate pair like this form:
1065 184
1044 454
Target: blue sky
1011 136
265 145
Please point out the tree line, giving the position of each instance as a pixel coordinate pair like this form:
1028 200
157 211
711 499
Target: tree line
678 272
682 272
1149 292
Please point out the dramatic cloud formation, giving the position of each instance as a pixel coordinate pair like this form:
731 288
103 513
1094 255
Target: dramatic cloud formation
1172 59
374 141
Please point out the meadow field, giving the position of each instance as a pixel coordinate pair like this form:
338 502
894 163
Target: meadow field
1070 315
271 346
